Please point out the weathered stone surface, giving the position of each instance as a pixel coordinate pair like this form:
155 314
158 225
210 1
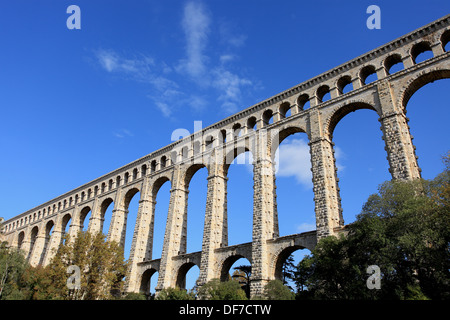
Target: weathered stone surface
219 144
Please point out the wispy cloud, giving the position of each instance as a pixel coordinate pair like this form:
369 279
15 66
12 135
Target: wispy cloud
111 61
208 74
198 64
195 24
294 160
306 227
123 133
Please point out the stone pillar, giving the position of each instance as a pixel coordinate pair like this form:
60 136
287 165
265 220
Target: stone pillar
96 221
327 201
263 213
38 248
141 247
215 233
117 229
173 244
397 138
51 245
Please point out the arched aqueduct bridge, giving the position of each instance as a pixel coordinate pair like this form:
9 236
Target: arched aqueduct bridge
258 129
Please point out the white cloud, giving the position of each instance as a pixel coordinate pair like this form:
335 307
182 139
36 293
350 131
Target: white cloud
294 160
138 67
195 24
123 133
216 83
306 227
164 108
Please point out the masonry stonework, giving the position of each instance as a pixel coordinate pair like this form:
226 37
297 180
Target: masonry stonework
258 129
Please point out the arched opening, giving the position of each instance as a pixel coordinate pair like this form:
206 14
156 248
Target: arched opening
196 182
161 194
131 203
344 84
48 233
421 51
393 63
294 192
147 285
267 117
303 102
428 111
445 40
323 93
237 268
106 212
187 276
65 225
285 110
368 74
20 238
85 215
286 264
251 124
33 237
237 130
239 193
360 155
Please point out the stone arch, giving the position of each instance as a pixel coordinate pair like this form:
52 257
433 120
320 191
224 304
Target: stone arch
82 216
343 82
392 60
267 117
231 155
157 184
251 123
284 108
129 195
20 239
282 134
419 48
181 274
302 100
321 92
33 236
279 258
191 171
145 280
227 263
343 110
417 82
366 71
64 221
445 38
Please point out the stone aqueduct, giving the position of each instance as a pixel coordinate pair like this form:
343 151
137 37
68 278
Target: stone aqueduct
259 129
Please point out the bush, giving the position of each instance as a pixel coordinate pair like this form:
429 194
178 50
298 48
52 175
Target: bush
216 290
175 294
276 290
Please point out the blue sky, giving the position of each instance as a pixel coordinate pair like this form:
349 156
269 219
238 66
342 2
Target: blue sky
77 104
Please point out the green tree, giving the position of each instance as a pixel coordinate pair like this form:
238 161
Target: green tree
101 264
242 274
217 290
405 230
276 290
13 265
175 294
